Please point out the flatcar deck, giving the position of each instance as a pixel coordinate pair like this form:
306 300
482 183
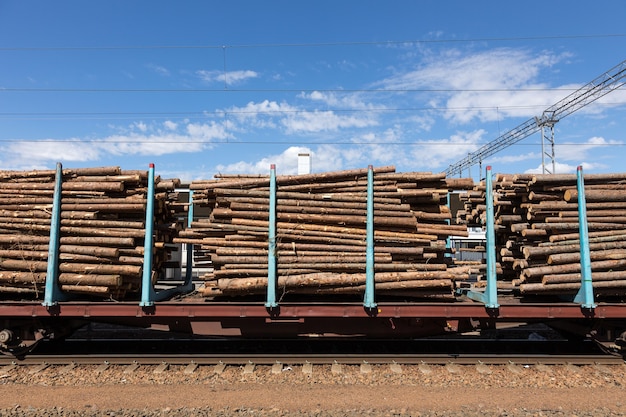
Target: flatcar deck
213 310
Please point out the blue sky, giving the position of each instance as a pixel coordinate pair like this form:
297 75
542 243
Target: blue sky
199 87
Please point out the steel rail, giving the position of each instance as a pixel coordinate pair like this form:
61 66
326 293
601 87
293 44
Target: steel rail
315 359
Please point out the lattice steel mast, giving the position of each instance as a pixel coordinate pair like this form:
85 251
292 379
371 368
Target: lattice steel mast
590 92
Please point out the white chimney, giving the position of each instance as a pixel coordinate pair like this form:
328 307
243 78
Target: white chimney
304 163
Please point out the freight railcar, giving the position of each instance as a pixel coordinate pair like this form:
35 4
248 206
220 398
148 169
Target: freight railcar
362 253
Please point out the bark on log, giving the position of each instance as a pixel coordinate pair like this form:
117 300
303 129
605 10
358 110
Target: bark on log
534 272
576 278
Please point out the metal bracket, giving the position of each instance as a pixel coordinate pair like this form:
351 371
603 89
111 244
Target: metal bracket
585 294
148 293
490 296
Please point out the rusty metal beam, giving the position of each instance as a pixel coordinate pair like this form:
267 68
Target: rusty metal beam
205 311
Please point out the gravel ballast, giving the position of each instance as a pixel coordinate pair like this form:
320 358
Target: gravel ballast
418 390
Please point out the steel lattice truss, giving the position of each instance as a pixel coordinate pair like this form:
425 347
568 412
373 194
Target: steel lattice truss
590 92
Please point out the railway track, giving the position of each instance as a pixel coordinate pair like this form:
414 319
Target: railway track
313 359
130 347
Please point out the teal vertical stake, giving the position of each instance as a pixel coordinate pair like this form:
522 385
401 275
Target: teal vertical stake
271 253
368 301
491 292
52 290
448 252
489 297
147 291
585 294
189 268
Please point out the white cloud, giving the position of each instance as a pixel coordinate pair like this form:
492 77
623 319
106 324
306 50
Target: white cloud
514 158
286 163
580 151
140 139
318 121
169 125
207 132
323 158
141 126
579 154
560 168
228 78
29 153
261 115
493 77
341 100
437 154
271 114
159 70
151 141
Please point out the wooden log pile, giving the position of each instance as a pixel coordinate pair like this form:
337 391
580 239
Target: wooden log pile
537 239
321 233
101 236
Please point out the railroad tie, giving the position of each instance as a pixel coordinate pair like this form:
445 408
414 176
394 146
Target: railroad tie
6 369
103 367
453 368
366 368
131 368
162 368
424 368
307 368
540 367
277 368
602 369
191 368
336 368
572 368
514 368
219 368
483 369
249 368
395 368
68 368
38 368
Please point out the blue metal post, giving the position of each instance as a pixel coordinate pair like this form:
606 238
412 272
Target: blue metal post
490 296
585 294
190 214
368 301
448 252
147 291
53 291
271 254
492 288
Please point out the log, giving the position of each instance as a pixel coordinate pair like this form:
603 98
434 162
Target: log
564 258
12 277
542 251
571 288
91 279
576 277
316 218
596 195
534 272
296 260
256 285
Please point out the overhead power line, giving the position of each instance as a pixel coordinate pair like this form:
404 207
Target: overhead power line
279 90
590 92
311 44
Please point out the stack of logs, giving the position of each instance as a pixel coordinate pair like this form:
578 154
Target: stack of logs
537 239
102 230
321 233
